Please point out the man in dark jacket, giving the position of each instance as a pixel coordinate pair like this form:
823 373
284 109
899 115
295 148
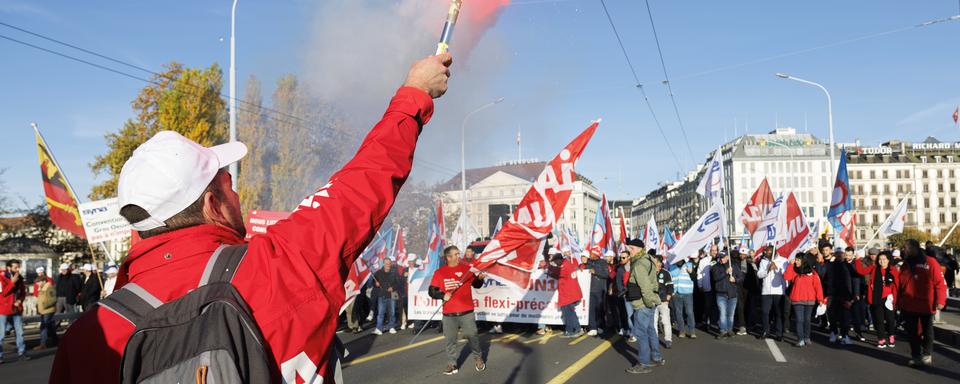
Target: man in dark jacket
388 281
840 296
620 291
92 285
68 289
724 278
599 274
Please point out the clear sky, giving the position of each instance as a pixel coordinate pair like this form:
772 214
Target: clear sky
556 63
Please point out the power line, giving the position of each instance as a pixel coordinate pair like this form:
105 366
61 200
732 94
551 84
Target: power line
355 135
640 86
666 81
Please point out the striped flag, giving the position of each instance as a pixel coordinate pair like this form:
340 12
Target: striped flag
61 201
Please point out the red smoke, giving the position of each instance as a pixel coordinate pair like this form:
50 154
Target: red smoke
476 18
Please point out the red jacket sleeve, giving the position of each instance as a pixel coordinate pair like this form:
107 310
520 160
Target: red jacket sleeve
939 284
818 288
789 274
332 226
861 269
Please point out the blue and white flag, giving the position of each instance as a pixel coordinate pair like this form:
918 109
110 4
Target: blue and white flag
711 185
701 234
840 201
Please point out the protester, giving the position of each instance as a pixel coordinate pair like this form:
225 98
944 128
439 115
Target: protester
68 289
883 281
599 273
447 284
92 286
705 285
180 200
110 283
858 309
642 291
565 270
661 317
773 289
12 293
921 293
840 297
389 283
625 310
806 292
724 278
682 299
46 294
745 291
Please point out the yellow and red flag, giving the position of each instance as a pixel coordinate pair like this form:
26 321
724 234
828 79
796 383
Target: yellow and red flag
61 201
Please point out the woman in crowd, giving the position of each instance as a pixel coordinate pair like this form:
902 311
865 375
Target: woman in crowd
882 278
805 294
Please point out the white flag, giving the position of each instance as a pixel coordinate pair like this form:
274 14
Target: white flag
464 233
894 224
711 185
702 233
651 236
767 232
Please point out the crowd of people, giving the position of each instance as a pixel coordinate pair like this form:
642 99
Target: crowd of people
727 292
68 293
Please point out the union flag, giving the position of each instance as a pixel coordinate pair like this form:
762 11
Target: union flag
61 201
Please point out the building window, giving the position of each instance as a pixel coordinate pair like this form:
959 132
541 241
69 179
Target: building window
899 174
924 171
886 189
926 203
943 217
940 173
862 218
940 200
939 187
876 218
926 188
906 174
873 189
953 202
873 174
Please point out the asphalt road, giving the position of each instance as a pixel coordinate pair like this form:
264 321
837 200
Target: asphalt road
523 357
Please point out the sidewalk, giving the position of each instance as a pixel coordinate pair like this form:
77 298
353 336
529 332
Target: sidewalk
949 332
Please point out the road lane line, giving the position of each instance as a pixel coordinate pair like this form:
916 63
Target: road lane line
375 356
578 365
578 339
775 350
506 338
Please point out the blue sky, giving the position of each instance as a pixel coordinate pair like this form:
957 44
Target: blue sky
556 63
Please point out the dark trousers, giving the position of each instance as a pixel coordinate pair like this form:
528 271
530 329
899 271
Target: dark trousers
858 315
884 321
742 319
596 309
571 324
710 314
772 305
616 313
48 330
839 317
919 327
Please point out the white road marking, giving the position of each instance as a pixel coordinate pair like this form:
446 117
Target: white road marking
775 350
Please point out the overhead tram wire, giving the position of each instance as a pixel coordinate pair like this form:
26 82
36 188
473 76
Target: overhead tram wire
640 86
355 135
666 81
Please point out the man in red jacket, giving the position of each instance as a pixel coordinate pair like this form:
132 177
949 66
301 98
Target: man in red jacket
451 283
12 293
177 196
922 292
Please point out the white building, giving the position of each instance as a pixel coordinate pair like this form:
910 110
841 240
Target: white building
493 192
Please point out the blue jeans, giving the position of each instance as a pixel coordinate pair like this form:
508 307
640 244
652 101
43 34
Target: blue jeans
803 313
728 307
18 331
648 344
683 304
386 306
571 324
629 307
48 330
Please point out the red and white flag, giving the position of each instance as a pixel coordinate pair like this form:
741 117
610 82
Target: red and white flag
754 212
512 254
356 278
849 221
796 232
400 250
956 115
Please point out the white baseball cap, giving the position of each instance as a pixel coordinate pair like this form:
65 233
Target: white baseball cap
168 173
64 266
87 267
41 270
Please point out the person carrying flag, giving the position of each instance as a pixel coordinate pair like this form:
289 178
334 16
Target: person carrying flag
448 284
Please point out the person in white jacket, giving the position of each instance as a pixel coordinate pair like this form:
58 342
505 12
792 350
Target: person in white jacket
773 290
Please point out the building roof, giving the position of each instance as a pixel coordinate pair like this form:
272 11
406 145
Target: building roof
528 171
21 245
13 222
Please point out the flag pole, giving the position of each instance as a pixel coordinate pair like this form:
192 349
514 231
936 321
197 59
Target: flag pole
944 240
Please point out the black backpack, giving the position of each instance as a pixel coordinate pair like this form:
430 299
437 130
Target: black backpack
207 335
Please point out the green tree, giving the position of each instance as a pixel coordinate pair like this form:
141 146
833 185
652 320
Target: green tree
292 173
900 239
185 100
252 129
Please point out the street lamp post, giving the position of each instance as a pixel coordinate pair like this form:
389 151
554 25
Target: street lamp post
463 151
833 146
234 170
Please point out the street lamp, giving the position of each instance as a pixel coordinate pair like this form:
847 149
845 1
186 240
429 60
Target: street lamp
463 166
833 157
234 170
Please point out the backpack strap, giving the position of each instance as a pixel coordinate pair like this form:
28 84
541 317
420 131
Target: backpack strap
131 302
223 264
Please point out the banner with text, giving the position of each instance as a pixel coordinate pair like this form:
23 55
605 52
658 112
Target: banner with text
102 221
498 302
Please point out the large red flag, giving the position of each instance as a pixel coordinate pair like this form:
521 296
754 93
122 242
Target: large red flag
794 225
754 212
400 250
849 221
61 201
623 229
513 252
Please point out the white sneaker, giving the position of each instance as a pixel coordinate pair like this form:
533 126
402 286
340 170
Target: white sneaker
370 317
376 331
833 337
403 326
593 332
632 339
393 331
846 340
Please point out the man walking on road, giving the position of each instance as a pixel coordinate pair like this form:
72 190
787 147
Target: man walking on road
451 283
12 293
388 281
643 293
565 270
923 292
178 195
599 273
